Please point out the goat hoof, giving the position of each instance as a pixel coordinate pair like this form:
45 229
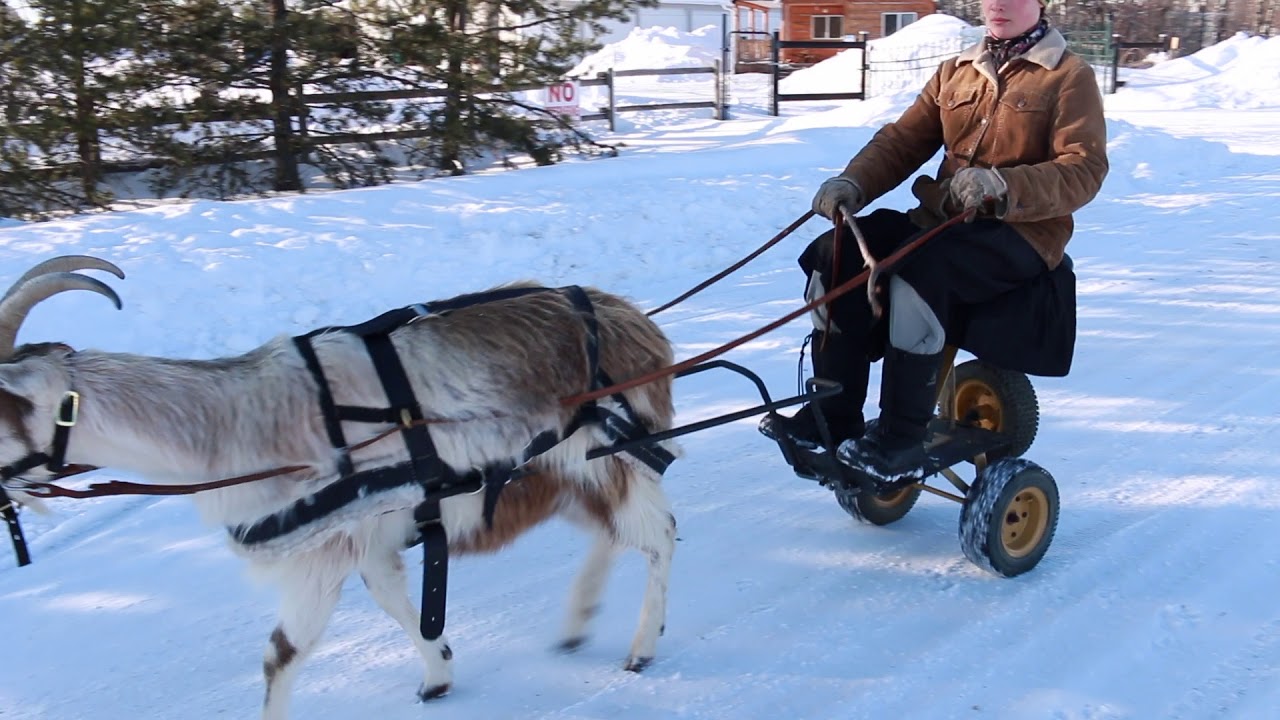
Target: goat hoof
431 693
571 645
637 664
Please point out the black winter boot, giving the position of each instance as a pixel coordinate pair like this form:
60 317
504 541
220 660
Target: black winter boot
845 362
893 448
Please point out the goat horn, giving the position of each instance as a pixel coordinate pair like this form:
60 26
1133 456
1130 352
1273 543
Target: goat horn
15 306
66 263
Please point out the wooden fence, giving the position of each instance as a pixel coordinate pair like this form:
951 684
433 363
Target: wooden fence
306 103
779 45
609 79
1166 43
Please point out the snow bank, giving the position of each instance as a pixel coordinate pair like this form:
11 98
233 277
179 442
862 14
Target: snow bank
1241 72
654 47
902 61
924 32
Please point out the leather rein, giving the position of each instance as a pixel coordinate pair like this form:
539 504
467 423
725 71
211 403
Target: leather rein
49 488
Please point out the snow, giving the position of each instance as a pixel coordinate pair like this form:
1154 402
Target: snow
646 48
901 62
1242 72
1156 599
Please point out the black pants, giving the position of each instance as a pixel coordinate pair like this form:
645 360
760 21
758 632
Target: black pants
965 265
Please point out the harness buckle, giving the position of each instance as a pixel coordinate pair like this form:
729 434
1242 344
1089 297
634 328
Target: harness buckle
406 418
69 410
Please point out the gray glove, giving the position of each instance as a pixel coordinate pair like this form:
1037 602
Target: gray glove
980 188
837 193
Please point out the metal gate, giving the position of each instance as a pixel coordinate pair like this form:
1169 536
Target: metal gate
778 45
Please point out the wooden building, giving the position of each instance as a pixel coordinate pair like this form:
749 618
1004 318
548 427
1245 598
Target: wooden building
838 19
753 24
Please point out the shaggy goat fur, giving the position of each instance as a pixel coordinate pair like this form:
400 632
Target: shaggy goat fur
493 373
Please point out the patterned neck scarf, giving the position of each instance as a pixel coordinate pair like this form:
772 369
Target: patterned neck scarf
1004 50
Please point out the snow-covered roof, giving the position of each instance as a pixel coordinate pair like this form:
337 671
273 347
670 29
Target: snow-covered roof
726 4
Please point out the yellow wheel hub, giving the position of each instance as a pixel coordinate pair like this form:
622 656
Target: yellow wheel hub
1025 521
892 498
976 400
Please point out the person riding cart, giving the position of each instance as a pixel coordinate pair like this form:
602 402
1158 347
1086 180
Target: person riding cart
1020 119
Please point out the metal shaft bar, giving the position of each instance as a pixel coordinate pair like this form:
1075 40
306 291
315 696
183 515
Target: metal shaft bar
941 493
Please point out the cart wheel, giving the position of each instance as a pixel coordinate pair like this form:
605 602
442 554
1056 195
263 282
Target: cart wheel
1008 520
996 399
882 509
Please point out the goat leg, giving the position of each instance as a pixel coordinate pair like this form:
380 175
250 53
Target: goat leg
384 575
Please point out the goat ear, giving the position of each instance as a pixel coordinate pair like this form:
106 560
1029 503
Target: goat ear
19 380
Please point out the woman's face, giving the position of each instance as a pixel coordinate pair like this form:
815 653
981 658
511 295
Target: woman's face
1010 18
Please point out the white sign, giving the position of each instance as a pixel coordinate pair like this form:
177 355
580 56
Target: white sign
563 98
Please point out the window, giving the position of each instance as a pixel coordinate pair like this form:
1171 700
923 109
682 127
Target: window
828 27
891 23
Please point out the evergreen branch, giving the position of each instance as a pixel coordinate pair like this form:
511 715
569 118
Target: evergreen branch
561 120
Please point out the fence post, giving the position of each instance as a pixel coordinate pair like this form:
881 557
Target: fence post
866 63
719 77
1115 63
613 113
303 135
726 51
774 50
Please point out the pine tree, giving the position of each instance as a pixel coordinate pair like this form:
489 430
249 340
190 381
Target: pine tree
229 103
61 72
88 75
204 91
17 198
207 128
480 54
253 63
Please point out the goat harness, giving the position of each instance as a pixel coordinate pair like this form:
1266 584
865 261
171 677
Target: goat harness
53 461
424 480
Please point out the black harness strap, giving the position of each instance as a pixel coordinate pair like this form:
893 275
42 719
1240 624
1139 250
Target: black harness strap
330 498
424 459
617 426
68 414
435 569
425 466
588 411
582 303
10 512
26 464
53 461
332 425
368 415
624 426
427 469
56 458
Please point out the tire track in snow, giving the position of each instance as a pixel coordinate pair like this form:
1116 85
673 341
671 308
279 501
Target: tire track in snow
721 635
1080 533
1231 681
1118 528
1161 564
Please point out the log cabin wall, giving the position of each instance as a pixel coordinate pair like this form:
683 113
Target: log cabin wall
867 16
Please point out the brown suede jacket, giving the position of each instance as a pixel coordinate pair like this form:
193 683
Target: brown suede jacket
1038 120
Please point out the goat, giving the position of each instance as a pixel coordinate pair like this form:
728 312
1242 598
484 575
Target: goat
494 375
